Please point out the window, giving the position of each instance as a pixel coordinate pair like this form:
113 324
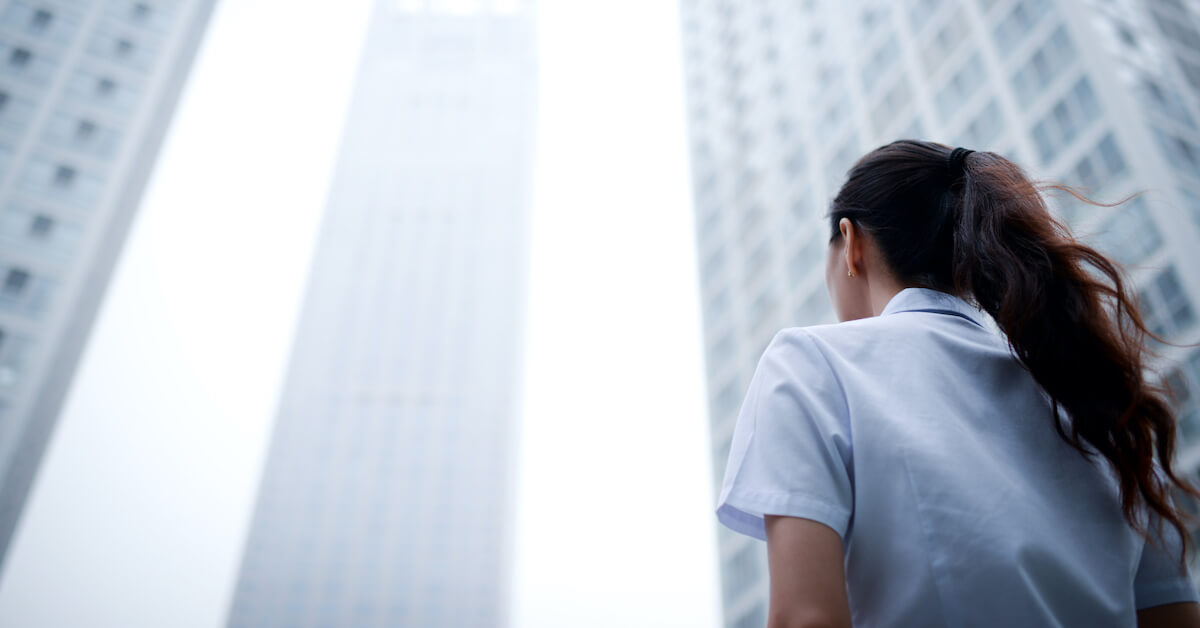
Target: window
85 130
1069 116
15 281
1191 72
1131 235
783 127
727 399
1193 367
1181 153
1046 64
801 209
1110 155
803 259
761 310
16 113
45 177
962 86
879 63
776 90
1101 166
713 263
915 128
1018 22
141 11
1177 5
722 349
1170 291
1183 394
715 307
891 105
1177 384
838 164
985 126
1164 101
873 16
1126 36
1179 30
20 58
1192 199
760 256
105 87
796 162
710 224
13 350
1165 306
832 120
40 226
944 41
751 220
41 19
64 176
123 47
921 11
65 130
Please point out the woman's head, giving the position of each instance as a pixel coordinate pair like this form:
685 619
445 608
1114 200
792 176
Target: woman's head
972 224
901 195
904 202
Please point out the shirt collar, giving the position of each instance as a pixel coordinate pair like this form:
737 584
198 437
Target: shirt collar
910 299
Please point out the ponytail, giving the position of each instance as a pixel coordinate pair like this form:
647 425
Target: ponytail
977 227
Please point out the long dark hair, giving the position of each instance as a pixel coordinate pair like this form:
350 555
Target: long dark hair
981 230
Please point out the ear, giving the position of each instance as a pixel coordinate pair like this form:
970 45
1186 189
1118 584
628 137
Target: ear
853 252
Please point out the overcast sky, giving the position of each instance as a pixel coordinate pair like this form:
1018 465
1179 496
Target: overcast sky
139 513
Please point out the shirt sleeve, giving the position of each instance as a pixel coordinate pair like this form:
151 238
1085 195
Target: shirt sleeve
1159 578
791 448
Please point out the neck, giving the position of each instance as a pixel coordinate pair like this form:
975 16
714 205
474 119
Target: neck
881 291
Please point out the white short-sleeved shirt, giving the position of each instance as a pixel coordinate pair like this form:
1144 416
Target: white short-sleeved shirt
925 445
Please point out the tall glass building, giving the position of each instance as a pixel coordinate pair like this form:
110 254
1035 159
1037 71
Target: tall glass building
87 89
388 493
784 96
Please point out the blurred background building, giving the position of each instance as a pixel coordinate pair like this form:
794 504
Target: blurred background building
784 96
87 88
387 496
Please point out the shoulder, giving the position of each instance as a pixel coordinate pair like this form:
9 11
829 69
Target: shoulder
796 360
850 338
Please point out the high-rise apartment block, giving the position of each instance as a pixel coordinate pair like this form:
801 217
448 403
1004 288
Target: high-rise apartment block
783 97
388 493
87 89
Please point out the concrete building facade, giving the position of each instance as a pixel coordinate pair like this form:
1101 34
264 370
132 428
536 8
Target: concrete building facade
387 498
87 90
783 97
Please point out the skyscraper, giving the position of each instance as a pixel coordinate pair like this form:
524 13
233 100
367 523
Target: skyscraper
784 96
87 89
386 499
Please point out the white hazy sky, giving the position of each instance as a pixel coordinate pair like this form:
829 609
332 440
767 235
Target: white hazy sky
139 513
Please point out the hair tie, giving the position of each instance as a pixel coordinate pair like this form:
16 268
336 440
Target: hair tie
954 163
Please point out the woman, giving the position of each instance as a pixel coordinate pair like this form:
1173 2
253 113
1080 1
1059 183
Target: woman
912 467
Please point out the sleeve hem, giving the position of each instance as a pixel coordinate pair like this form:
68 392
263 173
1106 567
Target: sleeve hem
1170 591
746 516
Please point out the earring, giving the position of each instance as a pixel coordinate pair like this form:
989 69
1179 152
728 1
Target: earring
851 274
